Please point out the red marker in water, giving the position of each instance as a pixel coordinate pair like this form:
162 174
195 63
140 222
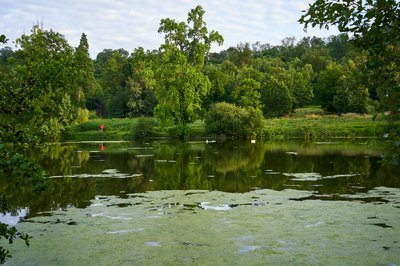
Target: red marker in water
102 147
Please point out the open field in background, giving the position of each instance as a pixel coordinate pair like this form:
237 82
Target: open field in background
306 123
311 123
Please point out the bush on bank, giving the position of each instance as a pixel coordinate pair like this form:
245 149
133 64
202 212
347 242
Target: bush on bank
232 121
144 128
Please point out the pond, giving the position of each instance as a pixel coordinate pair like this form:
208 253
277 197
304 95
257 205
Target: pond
210 203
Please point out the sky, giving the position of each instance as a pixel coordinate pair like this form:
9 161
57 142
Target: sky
129 24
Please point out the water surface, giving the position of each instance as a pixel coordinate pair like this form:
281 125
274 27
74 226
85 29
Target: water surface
211 203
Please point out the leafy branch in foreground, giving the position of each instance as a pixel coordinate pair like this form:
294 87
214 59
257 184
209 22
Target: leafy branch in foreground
375 26
21 170
11 234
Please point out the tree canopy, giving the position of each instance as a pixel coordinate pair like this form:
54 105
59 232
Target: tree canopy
192 38
40 90
181 83
375 27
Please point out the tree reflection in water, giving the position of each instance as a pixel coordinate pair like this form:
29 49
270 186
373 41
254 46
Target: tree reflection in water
79 172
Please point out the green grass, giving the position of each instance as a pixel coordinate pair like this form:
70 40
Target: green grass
306 123
109 124
114 129
121 129
312 110
324 127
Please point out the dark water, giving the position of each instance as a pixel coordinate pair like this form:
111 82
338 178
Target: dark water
79 172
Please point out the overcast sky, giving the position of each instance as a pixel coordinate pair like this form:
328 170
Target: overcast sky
129 24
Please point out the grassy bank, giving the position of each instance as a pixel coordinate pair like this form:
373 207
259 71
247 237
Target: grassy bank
324 127
121 129
299 125
114 129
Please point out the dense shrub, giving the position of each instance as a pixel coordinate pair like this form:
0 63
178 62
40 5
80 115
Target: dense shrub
82 115
144 127
230 120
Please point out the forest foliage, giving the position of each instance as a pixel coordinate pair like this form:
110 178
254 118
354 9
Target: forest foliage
53 83
274 79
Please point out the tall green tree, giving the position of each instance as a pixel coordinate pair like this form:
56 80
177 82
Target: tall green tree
179 90
318 58
141 83
275 97
87 83
192 39
329 82
223 81
219 81
181 81
339 46
114 75
288 49
246 92
40 92
301 88
5 54
101 59
240 55
111 71
276 83
339 88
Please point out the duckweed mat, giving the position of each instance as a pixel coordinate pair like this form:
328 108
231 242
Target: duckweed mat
262 227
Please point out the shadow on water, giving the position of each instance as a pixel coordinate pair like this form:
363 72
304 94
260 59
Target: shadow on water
79 172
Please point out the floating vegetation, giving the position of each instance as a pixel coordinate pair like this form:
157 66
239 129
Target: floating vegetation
165 161
216 228
144 155
313 176
108 173
342 175
304 176
272 172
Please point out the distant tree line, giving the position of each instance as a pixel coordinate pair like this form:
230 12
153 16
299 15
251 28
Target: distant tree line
275 79
53 84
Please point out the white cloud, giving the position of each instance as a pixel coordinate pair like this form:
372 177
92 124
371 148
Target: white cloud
132 23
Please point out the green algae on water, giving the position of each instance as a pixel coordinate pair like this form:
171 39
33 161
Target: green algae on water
216 228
